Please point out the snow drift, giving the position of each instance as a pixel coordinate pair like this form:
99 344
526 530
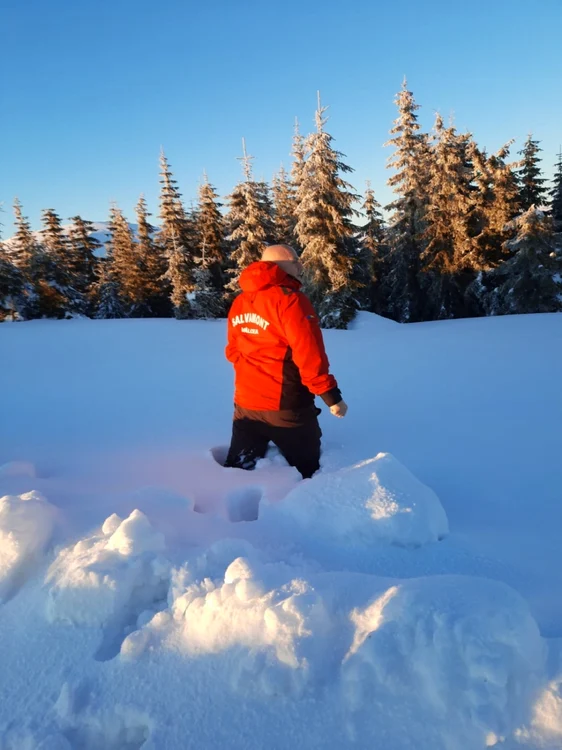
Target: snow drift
377 500
26 526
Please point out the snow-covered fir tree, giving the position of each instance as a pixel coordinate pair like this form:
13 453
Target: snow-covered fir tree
408 220
176 238
85 264
532 190
325 229
249 221
284 204
153 292
11 287
500 208
57 286
496 199
371 237
107 292
210 226
208 300
526 282
299 156
448 260
26 254
23 248
556 199
299 151
125 269
372 232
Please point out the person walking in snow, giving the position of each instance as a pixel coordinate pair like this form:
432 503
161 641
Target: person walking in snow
276 346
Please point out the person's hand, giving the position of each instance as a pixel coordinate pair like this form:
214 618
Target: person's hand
339 410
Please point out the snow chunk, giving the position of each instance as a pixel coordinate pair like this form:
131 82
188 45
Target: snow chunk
135 535
99 577
238 570
134 644
111 524
457 647
18 469
26 527
378 499
267 632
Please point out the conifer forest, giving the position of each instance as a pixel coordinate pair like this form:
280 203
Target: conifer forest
469 233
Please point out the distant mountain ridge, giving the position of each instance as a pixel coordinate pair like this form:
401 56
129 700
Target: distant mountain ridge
101 233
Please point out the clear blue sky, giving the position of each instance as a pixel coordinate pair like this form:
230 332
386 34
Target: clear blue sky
89 91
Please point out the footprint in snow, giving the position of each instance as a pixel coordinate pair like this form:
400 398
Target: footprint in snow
243 504
84 725
219 454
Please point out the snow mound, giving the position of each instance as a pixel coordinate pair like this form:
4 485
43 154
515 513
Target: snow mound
462 652
376 500
115 570
372 323
264 627
18 469
26 527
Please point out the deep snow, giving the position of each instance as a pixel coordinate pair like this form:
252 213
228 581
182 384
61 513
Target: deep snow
406 597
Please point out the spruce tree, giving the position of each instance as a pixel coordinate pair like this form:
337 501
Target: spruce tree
26 255
250 221
284 204
556 198
59 295
325 229
11 287
372 241
153 291
448 260
209 300
84 262
107 293
210 226
175 238
526 281
372 233
532 191
299 157
125 266
496 200
408 221
501 209
24 248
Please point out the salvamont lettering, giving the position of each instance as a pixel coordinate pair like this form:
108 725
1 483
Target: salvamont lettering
249 318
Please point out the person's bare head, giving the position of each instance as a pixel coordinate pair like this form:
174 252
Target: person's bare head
286 258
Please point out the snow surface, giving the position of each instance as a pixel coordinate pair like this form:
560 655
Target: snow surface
408 596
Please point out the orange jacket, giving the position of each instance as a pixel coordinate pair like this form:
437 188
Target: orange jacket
276 345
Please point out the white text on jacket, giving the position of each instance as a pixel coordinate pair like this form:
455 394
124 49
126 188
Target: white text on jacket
249 318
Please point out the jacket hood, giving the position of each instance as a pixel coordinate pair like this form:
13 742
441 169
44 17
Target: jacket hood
263 274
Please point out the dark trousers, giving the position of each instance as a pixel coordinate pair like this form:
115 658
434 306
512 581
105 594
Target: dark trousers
299 443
